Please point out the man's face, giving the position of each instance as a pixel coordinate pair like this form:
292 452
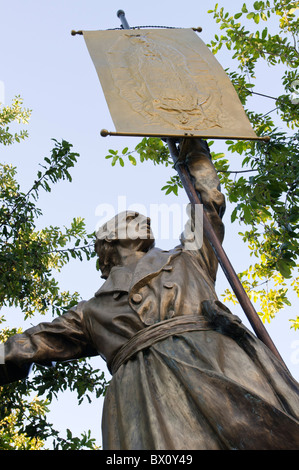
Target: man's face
133 229
127 227
129 230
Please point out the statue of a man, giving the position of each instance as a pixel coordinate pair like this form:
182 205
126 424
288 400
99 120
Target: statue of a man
186 373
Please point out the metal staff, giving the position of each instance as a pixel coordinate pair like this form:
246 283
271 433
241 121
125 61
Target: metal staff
223 260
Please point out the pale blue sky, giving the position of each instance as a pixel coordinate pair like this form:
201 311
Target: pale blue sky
54 74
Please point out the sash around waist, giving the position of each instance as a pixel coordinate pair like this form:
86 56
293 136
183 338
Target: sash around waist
154 333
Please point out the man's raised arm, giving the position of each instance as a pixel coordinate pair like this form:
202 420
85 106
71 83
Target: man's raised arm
206 181
196 155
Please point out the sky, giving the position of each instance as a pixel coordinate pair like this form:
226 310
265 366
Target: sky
53 73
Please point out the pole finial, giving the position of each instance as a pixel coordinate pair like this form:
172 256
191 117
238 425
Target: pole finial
73 32
122 17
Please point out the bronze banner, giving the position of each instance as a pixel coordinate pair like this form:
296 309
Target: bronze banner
166 82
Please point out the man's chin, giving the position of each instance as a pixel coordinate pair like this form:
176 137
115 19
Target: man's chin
105 273
147 244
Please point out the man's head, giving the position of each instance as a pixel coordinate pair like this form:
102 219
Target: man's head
128 231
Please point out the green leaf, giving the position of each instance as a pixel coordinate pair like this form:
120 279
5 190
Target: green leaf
284 268
257 18
132 160
256 5
234 215
115 158
247 214
264 33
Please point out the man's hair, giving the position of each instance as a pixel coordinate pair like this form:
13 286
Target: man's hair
107 250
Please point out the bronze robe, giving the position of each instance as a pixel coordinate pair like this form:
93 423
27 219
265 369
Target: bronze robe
214 386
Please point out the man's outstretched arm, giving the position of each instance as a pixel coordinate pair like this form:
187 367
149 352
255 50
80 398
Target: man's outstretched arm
64 339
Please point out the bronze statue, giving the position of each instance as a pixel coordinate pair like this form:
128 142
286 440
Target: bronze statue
186 373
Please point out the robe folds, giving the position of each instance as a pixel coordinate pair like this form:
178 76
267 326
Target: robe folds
203 390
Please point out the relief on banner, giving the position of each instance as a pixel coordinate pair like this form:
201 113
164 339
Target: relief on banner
157 83
165 81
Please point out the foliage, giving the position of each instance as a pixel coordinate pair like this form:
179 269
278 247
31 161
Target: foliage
28 260
28 256
13 114
151 148
267 200
264 190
